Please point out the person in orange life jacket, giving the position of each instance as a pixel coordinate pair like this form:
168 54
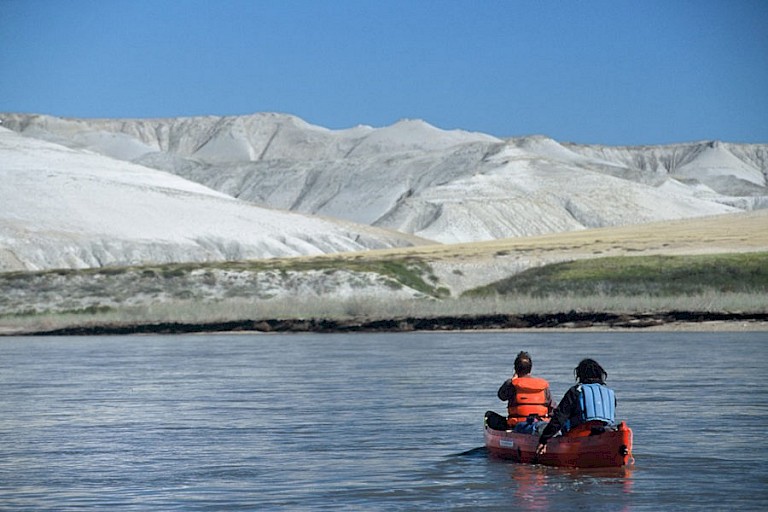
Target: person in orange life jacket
588 406
528 399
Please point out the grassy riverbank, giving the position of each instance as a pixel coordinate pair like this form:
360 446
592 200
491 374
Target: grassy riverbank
643 275
710 275
647 290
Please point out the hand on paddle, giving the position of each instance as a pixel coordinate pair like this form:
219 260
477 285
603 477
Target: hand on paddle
541 449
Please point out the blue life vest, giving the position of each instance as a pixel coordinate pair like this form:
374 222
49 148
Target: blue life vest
597 402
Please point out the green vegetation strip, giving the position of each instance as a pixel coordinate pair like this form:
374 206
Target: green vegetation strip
639 275
409 272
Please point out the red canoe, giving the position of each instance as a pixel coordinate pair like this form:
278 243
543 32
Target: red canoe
612 448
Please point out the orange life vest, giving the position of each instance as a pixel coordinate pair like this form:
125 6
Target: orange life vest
530 398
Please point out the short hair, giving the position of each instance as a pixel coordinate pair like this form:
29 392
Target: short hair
523 363
590 370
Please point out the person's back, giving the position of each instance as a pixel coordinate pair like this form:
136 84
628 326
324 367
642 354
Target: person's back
528 398
588 405
597 402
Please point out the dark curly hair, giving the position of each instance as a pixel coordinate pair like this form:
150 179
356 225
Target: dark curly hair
523 363
590 371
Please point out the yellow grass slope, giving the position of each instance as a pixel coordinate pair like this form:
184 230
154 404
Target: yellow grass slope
736 232
461 267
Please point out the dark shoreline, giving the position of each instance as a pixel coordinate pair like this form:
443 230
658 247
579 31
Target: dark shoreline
570 320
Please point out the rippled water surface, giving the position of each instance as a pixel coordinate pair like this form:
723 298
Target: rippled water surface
367 422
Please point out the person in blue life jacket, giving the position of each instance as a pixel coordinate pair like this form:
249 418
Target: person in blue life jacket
590 405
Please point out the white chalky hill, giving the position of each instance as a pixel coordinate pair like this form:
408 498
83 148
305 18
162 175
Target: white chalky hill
89 192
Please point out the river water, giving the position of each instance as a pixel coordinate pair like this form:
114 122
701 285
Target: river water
367 422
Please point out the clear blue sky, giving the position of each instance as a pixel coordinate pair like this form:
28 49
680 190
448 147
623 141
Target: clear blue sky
605 72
